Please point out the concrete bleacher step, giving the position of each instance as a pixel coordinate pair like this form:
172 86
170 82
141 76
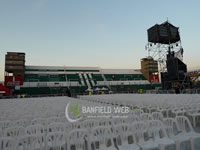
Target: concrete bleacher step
83 78
82 81
86 80
90 80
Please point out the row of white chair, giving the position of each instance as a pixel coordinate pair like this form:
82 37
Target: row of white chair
25 122
30 108
168 105
152 134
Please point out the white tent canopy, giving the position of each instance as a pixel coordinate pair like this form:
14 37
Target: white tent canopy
97 89
89 89
104 89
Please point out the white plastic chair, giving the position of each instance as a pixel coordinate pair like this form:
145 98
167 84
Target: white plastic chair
32 142
39 121
14 132
74 125
63 119
53 120
79 139
116 121
145 117
131 118
157 131
123 134
68 127
186 129
89 124
194 113
151 108
56 127
35 129
139 130
8 143
103 135
157 116
137 111
56 141
182 142
21 122
5 124
163 110
105 122
178 111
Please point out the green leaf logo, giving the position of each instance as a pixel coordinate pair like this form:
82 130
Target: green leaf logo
74 109
136 110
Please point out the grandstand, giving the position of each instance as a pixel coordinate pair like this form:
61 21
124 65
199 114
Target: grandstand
49 79
37 80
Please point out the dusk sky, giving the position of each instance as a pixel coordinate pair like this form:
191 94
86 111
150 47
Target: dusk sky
99 33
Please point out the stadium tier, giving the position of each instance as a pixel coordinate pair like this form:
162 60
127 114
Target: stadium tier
51 80
37 80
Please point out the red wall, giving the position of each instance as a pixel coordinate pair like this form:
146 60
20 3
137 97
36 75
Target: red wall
13 80
154 78
6 90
